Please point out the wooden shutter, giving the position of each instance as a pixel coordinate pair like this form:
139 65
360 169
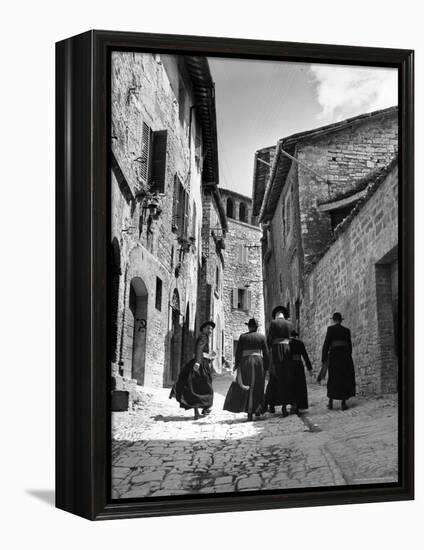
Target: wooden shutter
235 297
145 152
158 161
175 204
185 213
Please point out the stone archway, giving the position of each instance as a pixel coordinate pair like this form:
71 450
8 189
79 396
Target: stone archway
138 306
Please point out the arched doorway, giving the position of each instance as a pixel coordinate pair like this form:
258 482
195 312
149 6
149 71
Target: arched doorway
230 208
138 308
176 335
114 298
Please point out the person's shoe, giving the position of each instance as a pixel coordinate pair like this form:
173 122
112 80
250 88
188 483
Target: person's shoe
284 412
205 412
271 409
249 417
330 404
344 406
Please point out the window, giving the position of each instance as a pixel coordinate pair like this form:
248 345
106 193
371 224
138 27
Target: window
283 216
242 299
152 160
243 254
158 299
288 214
230 208
194 222
180 203
281 283
242 212
217 280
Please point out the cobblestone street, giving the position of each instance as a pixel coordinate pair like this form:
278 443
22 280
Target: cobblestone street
158 449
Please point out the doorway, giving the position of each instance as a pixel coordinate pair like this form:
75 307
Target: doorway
138 308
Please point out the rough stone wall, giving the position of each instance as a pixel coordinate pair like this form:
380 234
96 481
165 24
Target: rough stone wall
238 274
144 90
343 157
282 271
210 301
347 279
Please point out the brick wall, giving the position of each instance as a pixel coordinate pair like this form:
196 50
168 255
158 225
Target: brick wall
357 276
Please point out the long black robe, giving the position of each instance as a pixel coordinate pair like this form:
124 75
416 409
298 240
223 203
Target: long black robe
299 388
252 369
341 372
279 390
194 389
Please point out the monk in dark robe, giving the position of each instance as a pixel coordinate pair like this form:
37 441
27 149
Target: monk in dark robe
193 389
251 362
279 390
337 351
300 392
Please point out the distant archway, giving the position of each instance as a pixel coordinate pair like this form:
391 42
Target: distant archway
230 208
138 308
242 212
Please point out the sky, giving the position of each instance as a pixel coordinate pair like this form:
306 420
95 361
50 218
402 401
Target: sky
259 102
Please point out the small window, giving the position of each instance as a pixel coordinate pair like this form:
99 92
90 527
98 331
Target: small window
243 254
158 300
180 208
230 208
242 212
217 280
242 299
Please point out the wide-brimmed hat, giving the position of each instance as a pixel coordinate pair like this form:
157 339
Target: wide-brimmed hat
337 317
206 323
278 309
252 323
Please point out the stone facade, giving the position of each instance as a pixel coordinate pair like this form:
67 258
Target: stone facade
243 285
301 209
358 276
211 275
158 161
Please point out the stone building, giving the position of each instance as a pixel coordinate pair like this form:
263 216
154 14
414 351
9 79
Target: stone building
164 162
242 285
211 274
315 205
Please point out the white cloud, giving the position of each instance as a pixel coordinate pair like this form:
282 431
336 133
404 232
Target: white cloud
344 91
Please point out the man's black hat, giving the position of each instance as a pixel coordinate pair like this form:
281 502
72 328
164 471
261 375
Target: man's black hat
278 309
252 323
337 317
206 323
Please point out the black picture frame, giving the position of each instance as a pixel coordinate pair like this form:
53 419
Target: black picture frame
82 367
